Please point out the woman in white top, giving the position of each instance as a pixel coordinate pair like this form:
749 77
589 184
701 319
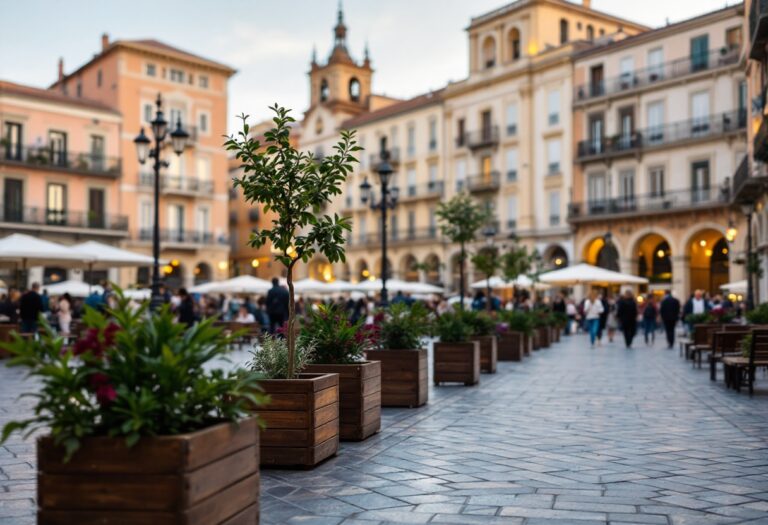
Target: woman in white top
65 313
244 316
593 307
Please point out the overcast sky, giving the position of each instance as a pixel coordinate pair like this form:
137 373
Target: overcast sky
416 45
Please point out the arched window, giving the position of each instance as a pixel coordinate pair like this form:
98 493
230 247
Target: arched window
354 90
324 90
590 33
514 44
489 52
563 30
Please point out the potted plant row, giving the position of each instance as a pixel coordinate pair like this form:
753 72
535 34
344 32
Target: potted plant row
515 335
456 358
136 428
339 348
398 347
483 330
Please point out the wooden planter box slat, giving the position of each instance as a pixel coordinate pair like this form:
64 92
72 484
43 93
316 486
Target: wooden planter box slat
511 346
404 377
359 397
457 363
543 333
488 352
528 344
302 420
205 477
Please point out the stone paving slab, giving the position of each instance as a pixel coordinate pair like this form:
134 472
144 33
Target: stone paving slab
568 436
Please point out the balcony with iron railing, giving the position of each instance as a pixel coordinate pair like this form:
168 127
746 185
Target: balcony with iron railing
49 159
640 78
184 237
660 136
31 216
178 184
396 237
480 183
485 137
430 190
745 187
663 202
375 158
758 29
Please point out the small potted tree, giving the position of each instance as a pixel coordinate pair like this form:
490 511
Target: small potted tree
295 187
460 218
339 347
483 330
135 424
456 359
541 322
399 332
515 336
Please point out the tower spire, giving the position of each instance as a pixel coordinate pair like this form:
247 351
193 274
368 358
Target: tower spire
340 31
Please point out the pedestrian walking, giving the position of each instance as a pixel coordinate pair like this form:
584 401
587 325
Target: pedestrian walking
64 313
30 308
650 313
593 308
186 309
670 313
626 314
277 306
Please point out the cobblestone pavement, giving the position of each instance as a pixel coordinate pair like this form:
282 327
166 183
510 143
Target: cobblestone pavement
570 435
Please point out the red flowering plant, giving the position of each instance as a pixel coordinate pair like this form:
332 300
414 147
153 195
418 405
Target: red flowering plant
401 326
132 373
335 339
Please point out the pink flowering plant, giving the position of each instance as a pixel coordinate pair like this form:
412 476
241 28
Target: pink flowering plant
130 374
336 339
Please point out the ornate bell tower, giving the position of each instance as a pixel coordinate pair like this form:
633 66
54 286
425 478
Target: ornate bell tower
341 84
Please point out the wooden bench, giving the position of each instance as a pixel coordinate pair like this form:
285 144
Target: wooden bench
703 335
726 342
739 370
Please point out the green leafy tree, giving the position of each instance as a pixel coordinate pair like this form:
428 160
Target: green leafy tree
296 187
515 262
488 260
460 218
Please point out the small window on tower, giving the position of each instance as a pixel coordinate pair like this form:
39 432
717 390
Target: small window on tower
319 126
354 90
324 90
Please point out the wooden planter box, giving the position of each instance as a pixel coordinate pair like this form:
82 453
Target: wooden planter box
206 477
535 339
404 381
457 363
488 352
528 343
359 398
302 420
544 336
511 346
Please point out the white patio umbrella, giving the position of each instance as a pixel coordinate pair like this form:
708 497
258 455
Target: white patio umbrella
497 283
245 284
587 274
139 294
25 251
105 256
73 288
309 285
424 288
737 287
339 286
397 285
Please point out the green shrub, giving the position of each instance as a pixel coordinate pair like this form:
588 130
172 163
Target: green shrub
518 321
451 328
271 358
746 346
131 374
698 318
758 315
334 338
479 323
401 327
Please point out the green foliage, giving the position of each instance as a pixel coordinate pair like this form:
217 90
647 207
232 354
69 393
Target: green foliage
559 319
334 338
479 323
698 318
461 217
271 358
295 186
487 260
403 326
746 346
758 315
131 375
451 328
518 321
515 262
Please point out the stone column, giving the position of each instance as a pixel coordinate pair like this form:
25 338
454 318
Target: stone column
680 276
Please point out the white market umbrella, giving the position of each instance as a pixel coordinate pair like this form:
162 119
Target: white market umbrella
339 286
397 285
25 250
140 294
309 285
424 288
497 283
244 284
73 288
105 256
737 287
587 274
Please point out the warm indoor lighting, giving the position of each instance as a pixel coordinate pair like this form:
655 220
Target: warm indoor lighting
725 251
708 253
730 233
702 243
365 273
660 254
197 270
291 252
175 263
532 48
372 278
223 265
255 263
640 298
732 296
558 261
328 274
739 297
168 269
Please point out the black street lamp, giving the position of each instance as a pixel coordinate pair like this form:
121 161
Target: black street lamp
144 151
388 200
747 211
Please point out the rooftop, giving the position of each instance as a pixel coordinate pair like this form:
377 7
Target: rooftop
426 99
48 95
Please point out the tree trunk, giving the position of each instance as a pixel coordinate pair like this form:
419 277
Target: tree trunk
290 337
461 277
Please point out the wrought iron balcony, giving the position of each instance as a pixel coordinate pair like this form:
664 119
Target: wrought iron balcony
674 69
758 29
483 138
688 130
429 190
176 184
664 202
396 237
34 216
185 237
375 158
480 183
49 159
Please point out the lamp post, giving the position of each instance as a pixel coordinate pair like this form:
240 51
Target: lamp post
747 210
490 237
388 200
145 150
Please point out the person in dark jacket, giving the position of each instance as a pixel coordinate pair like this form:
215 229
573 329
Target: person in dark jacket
277 306
626 314
30 308
186 308
670 313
